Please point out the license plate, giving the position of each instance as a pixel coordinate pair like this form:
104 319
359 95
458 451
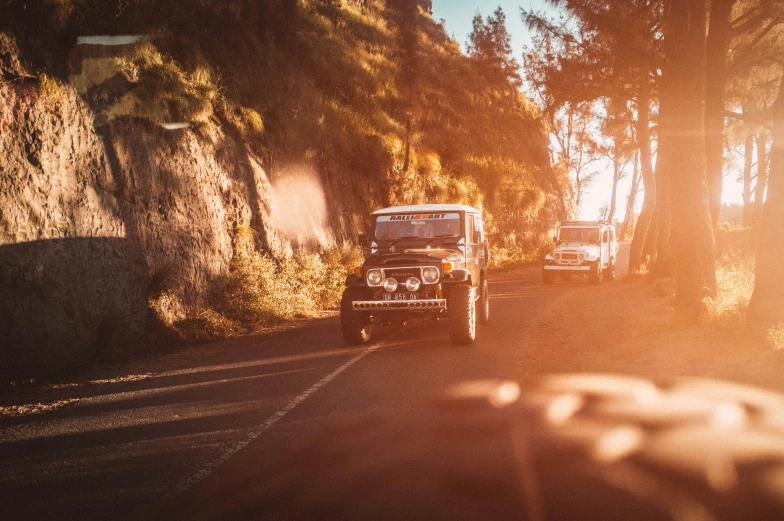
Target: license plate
400 296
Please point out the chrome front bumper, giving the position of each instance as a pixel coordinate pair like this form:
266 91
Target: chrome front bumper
396 305
561 267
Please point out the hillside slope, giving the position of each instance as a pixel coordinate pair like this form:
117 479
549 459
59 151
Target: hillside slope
304 117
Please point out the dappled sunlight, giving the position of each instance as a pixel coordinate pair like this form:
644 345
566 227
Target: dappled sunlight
81 407
298 208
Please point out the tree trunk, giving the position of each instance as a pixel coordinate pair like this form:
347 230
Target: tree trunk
649 250
692 240
646 169
407 158
614 196
662 267
631 200
718 40
765 308
762 178
748 158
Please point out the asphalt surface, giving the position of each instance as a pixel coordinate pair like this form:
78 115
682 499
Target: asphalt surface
138 446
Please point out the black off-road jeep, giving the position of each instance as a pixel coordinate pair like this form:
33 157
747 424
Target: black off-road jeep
426 261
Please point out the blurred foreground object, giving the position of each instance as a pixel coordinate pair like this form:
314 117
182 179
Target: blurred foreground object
568 447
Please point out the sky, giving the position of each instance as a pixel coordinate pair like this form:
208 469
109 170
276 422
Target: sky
457 15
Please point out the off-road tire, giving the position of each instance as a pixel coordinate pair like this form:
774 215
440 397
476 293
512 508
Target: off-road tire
355 326
483 309
548 277
461 309
596 275
610 272
572 447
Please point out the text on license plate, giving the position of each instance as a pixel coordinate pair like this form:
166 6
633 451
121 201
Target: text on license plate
400 296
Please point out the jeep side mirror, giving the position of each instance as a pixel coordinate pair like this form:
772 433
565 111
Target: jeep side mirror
363 240
477 237
555 239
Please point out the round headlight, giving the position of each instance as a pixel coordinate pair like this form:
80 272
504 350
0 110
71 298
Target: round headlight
430 275
374 278
557 256
390 284
580 257
412 284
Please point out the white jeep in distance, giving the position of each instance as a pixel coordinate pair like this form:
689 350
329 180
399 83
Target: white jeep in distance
584 248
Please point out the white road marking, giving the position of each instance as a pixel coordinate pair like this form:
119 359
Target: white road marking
231 450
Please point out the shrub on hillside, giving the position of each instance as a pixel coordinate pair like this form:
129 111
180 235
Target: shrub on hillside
262 291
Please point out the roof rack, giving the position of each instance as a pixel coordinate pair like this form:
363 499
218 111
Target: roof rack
587 223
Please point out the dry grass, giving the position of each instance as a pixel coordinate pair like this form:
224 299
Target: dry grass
514 258
734 285
775 337
169 89
262 291
50 88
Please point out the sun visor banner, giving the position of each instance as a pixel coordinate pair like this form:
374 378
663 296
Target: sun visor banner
417 217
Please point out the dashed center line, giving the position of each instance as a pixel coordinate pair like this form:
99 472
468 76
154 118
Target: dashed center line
210 467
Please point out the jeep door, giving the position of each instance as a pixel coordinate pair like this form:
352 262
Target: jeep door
474 249
605 248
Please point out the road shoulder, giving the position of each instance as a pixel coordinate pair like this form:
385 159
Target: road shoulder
626 327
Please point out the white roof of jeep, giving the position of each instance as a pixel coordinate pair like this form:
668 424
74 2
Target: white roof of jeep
427 208
586 224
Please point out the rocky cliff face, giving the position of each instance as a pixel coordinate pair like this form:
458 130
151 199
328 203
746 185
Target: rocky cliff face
90 223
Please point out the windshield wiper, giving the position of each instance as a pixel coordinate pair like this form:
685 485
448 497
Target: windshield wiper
401 239
442 236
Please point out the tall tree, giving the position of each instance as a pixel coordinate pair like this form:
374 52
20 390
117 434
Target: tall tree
719 35
490 45
632 198
405 16
666 168
692 227
571 124
761 178
765 309
748 163
647 174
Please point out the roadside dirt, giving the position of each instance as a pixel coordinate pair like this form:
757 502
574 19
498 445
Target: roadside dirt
625 327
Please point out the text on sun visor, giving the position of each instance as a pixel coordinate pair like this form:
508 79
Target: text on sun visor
418 217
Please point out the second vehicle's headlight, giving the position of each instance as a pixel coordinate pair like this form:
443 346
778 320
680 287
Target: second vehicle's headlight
430 275
412 284
374 278
390 284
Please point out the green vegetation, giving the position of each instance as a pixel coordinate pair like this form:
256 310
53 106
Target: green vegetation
371 94
262 291
735 263
734 282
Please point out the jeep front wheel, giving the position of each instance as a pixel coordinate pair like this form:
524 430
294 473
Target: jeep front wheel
355 326
597 273
609 273
461 307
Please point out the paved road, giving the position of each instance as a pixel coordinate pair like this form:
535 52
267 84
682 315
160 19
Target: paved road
116 454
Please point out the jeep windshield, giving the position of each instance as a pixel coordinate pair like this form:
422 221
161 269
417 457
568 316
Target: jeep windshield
417 226
579 234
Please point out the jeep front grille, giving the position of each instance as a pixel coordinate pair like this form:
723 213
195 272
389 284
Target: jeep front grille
402 274
408 305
